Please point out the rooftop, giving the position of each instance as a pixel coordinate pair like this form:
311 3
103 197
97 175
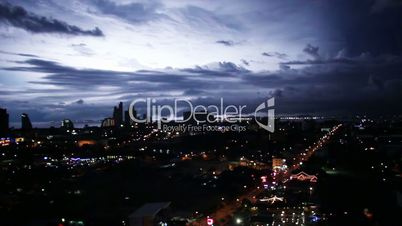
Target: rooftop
150 209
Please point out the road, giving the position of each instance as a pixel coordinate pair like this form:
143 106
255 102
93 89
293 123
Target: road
228 209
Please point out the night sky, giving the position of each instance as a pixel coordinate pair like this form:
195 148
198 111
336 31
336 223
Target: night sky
76 59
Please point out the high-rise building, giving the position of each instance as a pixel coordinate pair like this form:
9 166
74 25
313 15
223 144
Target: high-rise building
25 122
67 124
118 114
3 121
127 119
108 122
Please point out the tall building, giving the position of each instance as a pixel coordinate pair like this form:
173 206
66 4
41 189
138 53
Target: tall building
3 121
108 122
118 114
127 119
25 122
67 124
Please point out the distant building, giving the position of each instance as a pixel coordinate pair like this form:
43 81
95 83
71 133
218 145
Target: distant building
5 141
278 163
108 122
248 163
127 119
302 176
25 122
4 120
150 214
326 129
67 124
118 114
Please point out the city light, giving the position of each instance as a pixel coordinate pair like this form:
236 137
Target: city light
210 221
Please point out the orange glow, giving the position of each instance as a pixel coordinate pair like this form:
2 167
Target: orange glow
86 142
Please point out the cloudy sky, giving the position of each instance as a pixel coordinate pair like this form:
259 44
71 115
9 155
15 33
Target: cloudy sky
76 59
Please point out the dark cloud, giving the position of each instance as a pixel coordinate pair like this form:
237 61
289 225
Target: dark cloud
245 62
362 84
320 61
19 54
362 59
284 67
275 54
192 92
312 51
57 112
220 69
80 101
135 12
141 81
27 55
380 5
83 49
366 26
226 42
276 93
17 16
231 67
365 76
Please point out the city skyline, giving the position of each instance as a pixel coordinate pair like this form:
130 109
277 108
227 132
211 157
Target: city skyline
76 59
200 112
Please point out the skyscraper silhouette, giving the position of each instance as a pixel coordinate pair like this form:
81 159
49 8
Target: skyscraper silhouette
3 121
118 114
25 122
127 119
